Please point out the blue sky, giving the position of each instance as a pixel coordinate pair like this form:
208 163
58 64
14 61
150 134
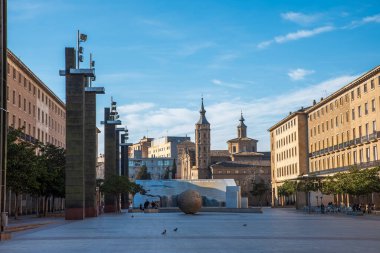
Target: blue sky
156 58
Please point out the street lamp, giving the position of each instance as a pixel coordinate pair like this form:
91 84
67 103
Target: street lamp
81 37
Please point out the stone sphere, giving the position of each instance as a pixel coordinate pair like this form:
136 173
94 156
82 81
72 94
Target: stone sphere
190 201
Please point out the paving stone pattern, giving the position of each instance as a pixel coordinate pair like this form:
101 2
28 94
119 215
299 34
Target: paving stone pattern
276 230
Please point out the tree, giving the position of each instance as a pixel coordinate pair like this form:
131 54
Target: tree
115 185
143 173
259 189
21 166
51 173
174 170
136 188
287 189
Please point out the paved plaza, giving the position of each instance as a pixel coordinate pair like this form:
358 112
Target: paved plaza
276 230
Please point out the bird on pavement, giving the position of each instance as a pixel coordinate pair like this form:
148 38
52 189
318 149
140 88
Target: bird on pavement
164 232
175 230
244 225
132 216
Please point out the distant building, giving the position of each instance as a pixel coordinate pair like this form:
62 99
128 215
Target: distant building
242 143
165 146
158 168
240 162
289 151
140 149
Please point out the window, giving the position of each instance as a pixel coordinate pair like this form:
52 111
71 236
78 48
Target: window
355 157
360 131
374 126
358 91
375 153
336 121
366 108
372 84
353 134
366 130
359 111
14 73
373 105
361 155
14 97
368 157
352 95
365 87
19 101
347 116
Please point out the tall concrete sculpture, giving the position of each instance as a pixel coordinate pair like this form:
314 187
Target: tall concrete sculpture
90 155
110 149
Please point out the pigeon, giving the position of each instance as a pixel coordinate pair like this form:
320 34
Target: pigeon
244 225
132 216
175 230
164 232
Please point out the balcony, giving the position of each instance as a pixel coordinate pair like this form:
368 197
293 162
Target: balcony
340 146
358 141
365 139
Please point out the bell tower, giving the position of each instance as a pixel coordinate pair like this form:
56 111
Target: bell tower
202 145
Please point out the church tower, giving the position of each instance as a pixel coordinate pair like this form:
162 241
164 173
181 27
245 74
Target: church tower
202 145
241 128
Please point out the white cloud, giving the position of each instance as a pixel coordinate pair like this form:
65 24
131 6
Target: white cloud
264 44
227 84
302 34
299 74
295 36
300 18
363 21
260 114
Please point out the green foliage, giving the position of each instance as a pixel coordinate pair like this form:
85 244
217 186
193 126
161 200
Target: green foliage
33 168
357 182
259 188
309 184
143 173
287 189
174 169
21 164
115 185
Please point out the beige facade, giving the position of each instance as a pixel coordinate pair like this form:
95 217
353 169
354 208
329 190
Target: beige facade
185 160
165 146
289 150
33 106
335 134
343 128
140 149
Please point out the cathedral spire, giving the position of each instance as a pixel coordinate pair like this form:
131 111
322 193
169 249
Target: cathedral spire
242 120
202 120
242 128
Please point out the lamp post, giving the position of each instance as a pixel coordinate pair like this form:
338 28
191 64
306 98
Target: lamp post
3 117
81 37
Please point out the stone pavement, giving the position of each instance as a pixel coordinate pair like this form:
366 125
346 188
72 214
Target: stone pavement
275 230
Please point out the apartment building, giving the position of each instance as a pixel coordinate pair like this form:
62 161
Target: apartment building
289 150
333 135
343 128
33 106
165 146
